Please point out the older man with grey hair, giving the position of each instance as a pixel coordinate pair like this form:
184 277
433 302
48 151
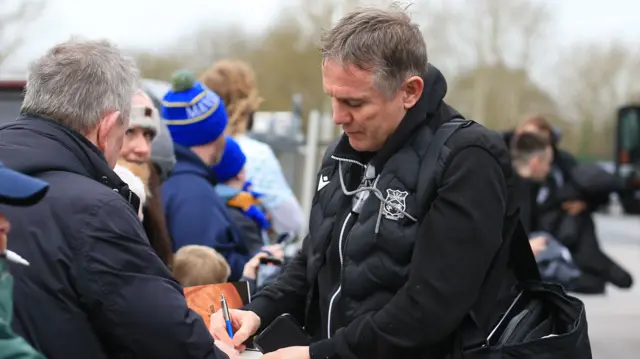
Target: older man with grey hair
400 242
95 288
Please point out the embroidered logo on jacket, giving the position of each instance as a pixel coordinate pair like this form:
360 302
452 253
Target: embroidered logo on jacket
394 205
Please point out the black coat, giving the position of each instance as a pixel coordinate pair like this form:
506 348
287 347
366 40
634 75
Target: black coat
95 288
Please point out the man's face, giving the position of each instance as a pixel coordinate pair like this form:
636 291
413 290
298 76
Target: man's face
366 115
540 165
136 146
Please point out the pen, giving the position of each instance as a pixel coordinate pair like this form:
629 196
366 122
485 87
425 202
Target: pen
227 317
14 257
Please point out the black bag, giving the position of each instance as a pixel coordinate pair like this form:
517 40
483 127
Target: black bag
543 322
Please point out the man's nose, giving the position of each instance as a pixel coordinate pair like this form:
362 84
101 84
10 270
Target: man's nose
340 115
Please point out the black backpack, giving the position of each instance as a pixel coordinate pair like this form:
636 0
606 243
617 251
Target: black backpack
542 322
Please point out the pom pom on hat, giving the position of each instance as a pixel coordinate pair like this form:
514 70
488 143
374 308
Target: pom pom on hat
193 114
232 161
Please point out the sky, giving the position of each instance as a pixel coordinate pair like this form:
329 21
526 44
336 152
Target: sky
151 24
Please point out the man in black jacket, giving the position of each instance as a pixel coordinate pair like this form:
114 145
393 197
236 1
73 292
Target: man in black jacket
95 288
392 266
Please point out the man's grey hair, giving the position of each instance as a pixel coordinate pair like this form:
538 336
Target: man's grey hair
78 82
384 42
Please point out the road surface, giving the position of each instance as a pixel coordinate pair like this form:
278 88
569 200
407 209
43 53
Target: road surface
614 319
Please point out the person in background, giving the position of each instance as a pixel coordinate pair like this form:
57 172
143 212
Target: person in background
244 206
235 82
16 189
571 220
195 214
144 126
532 156
200 265
94 280
134 181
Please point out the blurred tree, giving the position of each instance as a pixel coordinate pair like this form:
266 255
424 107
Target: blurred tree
509 95
594 80
159 66
494 45
15 16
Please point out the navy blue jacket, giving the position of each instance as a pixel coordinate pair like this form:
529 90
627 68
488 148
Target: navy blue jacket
197 215
94 281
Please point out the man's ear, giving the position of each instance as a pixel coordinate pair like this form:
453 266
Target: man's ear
412 90
106 126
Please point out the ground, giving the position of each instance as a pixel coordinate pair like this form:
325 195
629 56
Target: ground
614 319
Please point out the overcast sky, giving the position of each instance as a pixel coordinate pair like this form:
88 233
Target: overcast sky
154 23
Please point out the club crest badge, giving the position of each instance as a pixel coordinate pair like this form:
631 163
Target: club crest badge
395 206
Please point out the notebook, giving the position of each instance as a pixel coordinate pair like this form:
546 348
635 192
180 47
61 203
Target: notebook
205 298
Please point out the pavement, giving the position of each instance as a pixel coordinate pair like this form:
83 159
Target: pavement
614 318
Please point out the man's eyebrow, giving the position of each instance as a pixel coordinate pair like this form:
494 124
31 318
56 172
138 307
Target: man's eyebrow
350 98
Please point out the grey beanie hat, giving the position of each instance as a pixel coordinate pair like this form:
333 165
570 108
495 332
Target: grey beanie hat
162 154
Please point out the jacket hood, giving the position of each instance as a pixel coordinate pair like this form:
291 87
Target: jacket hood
36 144
430 109
188 162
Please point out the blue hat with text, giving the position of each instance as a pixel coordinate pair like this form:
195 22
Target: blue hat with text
232 161
194 114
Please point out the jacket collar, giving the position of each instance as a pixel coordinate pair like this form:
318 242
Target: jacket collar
188 162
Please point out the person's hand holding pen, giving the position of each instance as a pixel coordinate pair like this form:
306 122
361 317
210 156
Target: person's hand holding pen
4 252
244 324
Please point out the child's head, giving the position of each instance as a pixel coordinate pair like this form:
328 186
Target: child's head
195 265
230 169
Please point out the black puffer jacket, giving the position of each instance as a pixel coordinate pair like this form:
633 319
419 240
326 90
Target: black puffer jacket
394 274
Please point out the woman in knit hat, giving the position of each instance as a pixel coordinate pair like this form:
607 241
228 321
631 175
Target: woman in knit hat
234 81
144 124
195 214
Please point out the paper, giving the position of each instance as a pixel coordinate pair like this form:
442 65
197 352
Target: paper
250 354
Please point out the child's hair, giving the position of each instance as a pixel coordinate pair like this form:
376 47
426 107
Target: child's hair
195 265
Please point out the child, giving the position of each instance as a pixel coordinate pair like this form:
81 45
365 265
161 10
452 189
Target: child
195 265
244 206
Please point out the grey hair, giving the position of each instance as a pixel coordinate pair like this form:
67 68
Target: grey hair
384 42
78 82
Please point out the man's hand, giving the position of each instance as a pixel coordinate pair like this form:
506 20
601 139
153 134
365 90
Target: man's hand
574 208
538 244
244 323
275 250
289 353
250 270
227 349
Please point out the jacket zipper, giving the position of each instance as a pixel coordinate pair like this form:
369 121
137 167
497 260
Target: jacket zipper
340 251
335 294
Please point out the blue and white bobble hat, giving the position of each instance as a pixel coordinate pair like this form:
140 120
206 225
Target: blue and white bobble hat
194 114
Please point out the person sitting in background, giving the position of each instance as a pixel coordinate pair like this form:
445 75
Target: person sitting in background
196 265
532 156
16 189
569 218
235 82
195 214
244 206
144 126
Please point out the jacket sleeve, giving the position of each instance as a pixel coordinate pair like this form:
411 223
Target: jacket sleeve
286 295
459 236
136 307
196 216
